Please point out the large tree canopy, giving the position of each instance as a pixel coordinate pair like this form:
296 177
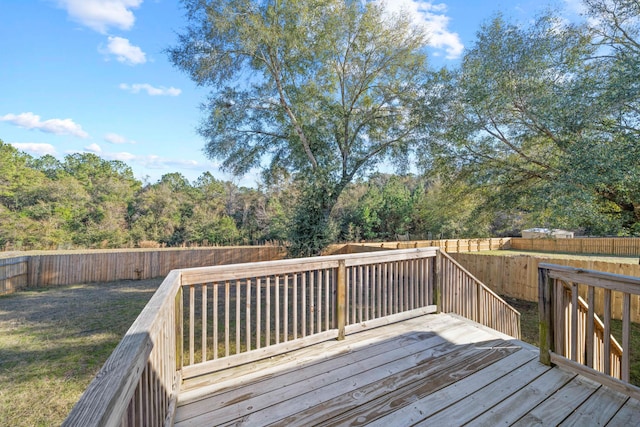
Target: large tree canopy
544 118
326 89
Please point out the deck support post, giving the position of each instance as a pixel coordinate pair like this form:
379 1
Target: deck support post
545 307
341 293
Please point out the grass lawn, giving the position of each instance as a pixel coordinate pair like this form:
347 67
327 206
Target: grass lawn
53 342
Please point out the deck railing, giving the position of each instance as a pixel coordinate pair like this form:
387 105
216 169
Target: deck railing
235 315
465 295
204 319
574 336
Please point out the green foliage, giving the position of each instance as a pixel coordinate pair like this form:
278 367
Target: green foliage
321 88
537 121
87 202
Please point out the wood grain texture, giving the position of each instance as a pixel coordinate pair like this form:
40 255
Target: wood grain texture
436 369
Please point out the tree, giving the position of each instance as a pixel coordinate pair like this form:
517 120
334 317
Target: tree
526 120
326 89
616 152
110 185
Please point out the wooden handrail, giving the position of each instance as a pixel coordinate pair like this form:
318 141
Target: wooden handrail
131 369
572 334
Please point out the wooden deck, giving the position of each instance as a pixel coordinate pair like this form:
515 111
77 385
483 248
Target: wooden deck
436 369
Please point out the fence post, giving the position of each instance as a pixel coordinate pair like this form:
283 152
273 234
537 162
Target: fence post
545 307
341 292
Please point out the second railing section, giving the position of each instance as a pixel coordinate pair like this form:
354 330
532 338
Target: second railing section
231 316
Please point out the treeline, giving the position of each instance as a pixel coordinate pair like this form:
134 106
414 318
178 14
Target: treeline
84 201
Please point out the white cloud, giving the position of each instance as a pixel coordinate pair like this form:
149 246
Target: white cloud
123 156
124 51
114 138
36 148
94 148
151 90
99 15
432 17
55 126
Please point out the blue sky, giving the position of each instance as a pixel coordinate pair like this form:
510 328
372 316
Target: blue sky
91 76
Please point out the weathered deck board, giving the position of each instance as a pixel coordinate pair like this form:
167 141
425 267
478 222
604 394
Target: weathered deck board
598 409
428 370
522 402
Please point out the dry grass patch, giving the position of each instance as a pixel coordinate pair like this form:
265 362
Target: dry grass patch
53 342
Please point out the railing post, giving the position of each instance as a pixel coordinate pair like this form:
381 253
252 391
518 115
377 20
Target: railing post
341 292
437 282
545 307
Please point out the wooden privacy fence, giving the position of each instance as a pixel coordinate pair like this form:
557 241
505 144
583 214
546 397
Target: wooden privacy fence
14 274
449 245
573 336
516 276
209 318
625 246
52 269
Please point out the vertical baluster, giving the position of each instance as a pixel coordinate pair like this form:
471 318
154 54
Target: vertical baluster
295 305
574 322
327 298
227 298
386 289
237 325
607 331
216 321
285 318
192 298
258 312
204 322
591 301
379 299
312 305
319 302
361 301
248 316
626 337
367 294
347 294
400 286
277 318
396 287
267 316
354 295
303 310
